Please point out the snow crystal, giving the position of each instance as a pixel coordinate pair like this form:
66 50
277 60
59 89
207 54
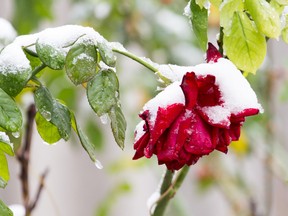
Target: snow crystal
187 10
7 33
172 94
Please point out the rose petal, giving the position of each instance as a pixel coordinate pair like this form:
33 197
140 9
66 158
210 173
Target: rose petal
190 89
212 54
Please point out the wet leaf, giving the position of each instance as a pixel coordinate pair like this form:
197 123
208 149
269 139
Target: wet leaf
107 54
81 62
10 115
48 131
51 56
87 145
118 125
102 91
53 111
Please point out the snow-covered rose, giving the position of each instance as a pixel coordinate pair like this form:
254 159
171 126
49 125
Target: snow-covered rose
201 112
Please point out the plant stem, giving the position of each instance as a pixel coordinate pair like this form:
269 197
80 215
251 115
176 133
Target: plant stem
137 59
38 69
23 157
168 189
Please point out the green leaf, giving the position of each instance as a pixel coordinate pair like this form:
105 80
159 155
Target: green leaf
265 17
53 111
216 3
202 3
94 132
14 75
4 210
10 115
243 44
48 131
227 11
199 20
5 145
34 60
284 34
4 171
81 62
87 145
118 125
102 91
106 54
51 56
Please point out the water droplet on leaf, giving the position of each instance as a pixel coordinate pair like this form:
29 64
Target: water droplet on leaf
98 164
46 114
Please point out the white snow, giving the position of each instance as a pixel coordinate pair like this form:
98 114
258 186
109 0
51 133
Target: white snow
4 137
172 94
7 33
139 132
82 56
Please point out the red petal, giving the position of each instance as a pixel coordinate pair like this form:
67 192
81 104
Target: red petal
164 118
140 145
212 53
190 89
209 94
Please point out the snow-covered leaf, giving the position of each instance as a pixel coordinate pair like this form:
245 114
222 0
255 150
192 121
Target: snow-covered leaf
5 145
15 70
81 62
244 44
10 115
107 54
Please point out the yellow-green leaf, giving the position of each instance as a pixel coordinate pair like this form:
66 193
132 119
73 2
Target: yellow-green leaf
243 44
227 10
265 17
4 171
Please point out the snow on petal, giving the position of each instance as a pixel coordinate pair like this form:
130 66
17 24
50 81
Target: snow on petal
172 94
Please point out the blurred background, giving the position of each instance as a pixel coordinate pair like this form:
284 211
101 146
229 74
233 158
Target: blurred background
250 180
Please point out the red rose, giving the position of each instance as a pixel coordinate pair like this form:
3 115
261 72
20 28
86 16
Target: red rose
191 118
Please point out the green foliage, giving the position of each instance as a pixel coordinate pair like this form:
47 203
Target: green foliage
48 131
244 45
118 125
102 91
53 111
4 210
10 115
199 20
107 54
228 8
80 62
29 13
87 145
265 17
51 56
4 171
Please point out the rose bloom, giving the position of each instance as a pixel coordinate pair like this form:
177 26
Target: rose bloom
202 110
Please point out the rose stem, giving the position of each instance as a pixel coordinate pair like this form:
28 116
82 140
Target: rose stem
137 59
168 189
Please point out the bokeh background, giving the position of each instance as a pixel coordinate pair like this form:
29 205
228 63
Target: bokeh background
250 180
